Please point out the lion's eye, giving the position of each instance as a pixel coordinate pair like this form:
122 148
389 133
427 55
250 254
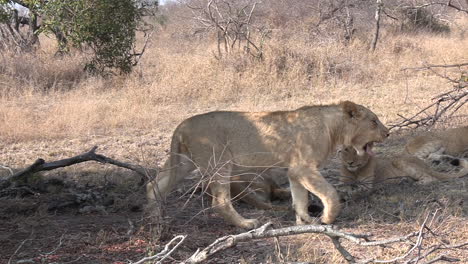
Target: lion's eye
374 122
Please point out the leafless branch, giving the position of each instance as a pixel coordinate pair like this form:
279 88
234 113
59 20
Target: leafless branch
413 255
437 66
231 23
7 168
137 55
263 232
20 246
378 10
166 252
444 105
91 155
57 247
446 3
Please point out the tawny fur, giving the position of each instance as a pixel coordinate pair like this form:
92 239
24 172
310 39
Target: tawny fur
219 143
259 188
370 170
452 142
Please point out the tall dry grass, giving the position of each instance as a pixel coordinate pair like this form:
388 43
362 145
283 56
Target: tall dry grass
43 97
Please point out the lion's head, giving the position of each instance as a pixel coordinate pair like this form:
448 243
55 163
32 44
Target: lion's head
362 129
351 160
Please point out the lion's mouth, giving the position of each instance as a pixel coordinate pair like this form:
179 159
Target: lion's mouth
367 148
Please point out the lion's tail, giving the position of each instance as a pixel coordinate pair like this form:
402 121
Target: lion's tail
177 167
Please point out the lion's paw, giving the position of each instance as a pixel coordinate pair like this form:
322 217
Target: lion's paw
306 220
250 224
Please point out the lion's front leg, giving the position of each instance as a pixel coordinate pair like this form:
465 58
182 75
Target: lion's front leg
300 200
305 179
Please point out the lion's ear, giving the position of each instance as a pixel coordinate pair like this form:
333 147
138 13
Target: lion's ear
351 109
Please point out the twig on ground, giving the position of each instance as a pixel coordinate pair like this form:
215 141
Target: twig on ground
20 246
7 168
166 252
57 247
131 228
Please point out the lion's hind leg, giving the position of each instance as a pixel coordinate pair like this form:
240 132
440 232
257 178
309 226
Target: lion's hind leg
281 193
170 175
413 168
220 190
222 205
252 197
420 171
422 149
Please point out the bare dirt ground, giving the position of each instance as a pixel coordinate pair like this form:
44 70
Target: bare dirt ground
94 214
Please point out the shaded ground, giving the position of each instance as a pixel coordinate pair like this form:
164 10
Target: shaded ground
96 217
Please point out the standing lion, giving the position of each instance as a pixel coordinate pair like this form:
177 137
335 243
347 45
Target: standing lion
220 143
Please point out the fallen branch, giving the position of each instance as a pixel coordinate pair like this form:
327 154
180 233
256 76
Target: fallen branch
413 255
91 155
263 232
437 66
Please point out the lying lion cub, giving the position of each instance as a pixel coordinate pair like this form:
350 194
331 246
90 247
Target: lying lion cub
220 142
368 169
451 141
259 188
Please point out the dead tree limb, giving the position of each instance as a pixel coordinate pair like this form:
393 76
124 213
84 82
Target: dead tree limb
446 3
263 232
437 66
91 155
444 105
378 10
413 255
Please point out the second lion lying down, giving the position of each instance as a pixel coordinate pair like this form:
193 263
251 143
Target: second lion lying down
221 143
369 170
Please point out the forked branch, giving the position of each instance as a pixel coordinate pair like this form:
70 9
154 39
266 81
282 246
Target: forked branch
91 155
444 105
264 232
414 254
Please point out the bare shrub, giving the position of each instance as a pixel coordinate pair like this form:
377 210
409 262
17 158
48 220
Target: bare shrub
416 19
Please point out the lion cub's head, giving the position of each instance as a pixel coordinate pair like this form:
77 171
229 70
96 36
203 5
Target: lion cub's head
362 128
351 160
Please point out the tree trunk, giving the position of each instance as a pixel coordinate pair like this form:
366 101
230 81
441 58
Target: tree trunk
378 10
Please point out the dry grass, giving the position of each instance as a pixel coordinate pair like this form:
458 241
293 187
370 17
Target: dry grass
53 96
